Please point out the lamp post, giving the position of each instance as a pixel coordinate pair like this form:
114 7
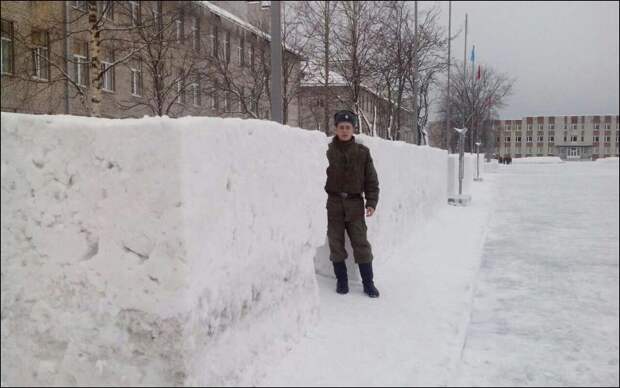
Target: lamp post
477 178
461 199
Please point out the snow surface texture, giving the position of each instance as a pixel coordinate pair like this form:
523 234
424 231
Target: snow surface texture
167 252
155 251
490 166
412 183
468 176
545 311
538 160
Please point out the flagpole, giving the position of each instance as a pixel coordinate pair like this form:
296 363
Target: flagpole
465 68
449 58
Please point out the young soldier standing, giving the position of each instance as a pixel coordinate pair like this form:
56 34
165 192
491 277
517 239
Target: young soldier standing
350 173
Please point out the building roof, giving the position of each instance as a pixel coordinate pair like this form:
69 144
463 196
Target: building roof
242 23
315 77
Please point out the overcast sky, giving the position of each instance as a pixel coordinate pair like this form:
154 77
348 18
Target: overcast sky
563 54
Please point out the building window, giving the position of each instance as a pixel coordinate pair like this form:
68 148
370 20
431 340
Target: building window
227 47
6 48
136 79
596 126
181 88
607 125
180 28
134 12
551 139
508 127
574 126
107 76
196 94
81 5
196 33
529 127
541 138
80 70
518 139
540 127
212 45
528 139
551 126
607 139
40 55
507 139
595 139
573 138
106 8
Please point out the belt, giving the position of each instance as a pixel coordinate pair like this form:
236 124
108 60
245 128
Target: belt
346 195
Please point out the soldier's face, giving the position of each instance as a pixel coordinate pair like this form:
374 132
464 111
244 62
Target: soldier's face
344 131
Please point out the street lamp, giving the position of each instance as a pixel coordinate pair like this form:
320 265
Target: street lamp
478 178
461 199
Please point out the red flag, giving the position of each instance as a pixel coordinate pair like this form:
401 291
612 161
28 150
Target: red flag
478 76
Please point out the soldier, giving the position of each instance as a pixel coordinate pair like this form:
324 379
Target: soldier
350 173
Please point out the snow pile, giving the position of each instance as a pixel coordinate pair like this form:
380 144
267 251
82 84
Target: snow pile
453 173
538 160
167 252
155 251
611 159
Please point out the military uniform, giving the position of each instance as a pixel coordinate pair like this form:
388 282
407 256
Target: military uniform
350 173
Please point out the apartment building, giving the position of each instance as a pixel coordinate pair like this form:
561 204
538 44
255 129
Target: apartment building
585 137
375 109
172 58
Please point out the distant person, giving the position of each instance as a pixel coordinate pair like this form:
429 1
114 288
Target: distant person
500 159
350 173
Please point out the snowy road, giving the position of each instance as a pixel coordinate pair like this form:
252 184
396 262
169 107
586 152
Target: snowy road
546 306
519 288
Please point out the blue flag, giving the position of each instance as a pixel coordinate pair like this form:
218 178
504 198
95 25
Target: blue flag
473 54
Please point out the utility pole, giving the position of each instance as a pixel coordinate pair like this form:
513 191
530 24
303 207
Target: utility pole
447 144
416 129
276 63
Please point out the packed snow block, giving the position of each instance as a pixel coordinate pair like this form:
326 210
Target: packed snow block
155 251
453 174
538 160
412 182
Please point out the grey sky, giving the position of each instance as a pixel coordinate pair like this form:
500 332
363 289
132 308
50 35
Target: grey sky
564 54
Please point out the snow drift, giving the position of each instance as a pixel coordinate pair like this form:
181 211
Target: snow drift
163 251
538 160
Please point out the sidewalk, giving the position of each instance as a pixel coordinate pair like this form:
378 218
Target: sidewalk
414 333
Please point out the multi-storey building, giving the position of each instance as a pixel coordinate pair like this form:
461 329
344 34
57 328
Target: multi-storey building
157 57
375 110
569 137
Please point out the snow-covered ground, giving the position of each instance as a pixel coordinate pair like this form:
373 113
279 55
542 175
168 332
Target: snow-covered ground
412 334
546 305
544 310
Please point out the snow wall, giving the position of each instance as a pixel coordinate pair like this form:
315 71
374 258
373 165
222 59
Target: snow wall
164 251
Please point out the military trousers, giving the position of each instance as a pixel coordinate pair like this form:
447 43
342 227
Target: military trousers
347 214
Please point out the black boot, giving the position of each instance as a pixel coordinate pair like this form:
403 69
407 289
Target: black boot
340 269
369 285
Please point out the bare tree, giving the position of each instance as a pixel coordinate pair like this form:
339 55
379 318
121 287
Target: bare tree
475 100
358 26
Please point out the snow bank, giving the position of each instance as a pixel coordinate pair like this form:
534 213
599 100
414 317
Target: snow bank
155 251
163 251
538 160
453 173
611 159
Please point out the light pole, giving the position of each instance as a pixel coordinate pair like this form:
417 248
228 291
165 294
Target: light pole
461 199
477 178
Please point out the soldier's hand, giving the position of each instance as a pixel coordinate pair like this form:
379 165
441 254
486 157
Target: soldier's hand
369 211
